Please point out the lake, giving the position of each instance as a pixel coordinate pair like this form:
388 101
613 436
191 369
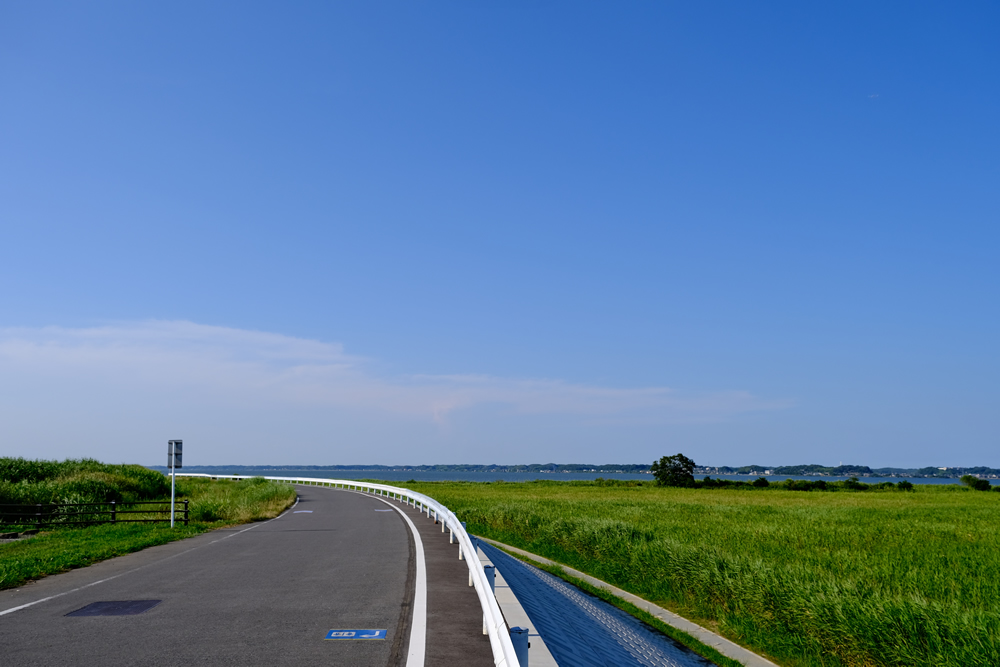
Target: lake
475 476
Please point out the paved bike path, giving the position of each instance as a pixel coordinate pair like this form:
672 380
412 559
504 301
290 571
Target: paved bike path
263 594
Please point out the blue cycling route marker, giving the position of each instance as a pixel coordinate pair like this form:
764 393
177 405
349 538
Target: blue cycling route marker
355 634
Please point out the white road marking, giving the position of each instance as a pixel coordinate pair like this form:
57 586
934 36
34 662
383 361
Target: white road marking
418 625
141 567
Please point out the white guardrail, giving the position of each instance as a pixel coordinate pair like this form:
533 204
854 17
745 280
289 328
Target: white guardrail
496 627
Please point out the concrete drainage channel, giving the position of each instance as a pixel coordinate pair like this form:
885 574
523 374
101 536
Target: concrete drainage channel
581 630
573 607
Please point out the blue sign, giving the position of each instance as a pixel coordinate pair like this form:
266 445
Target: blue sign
356 634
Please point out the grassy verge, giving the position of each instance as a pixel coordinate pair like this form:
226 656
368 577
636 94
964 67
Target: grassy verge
881 577
62 550
212 505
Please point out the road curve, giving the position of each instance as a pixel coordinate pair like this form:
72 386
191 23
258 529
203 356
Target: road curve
264 594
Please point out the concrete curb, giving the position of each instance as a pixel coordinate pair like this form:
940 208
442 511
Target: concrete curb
707 637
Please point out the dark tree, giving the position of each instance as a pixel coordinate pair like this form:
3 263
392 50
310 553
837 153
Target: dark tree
676 470
975 483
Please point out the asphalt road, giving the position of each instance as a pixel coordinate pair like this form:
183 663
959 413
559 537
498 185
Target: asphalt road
264 594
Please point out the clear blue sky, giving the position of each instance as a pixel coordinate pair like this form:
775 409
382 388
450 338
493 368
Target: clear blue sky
501 232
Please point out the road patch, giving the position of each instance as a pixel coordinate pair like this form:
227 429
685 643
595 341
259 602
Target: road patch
116 608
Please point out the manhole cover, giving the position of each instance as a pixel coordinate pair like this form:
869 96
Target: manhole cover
116 608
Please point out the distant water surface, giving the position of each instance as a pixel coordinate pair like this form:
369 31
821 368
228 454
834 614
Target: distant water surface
461 476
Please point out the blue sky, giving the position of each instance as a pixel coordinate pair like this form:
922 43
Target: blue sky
507 232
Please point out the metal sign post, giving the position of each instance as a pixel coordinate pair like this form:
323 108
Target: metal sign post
174 450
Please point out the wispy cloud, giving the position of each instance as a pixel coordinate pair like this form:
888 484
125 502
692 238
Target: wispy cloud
250 367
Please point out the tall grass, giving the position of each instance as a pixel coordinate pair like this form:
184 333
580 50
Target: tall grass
23 481
27 482
874 578
227 501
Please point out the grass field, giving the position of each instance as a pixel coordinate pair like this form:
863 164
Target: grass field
880 577
212 504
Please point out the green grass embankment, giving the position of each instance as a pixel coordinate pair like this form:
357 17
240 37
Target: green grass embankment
61 548
880 577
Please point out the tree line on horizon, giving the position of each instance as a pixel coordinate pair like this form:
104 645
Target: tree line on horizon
632 468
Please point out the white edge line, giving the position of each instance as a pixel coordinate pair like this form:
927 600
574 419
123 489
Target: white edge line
503 650
94 583
418 625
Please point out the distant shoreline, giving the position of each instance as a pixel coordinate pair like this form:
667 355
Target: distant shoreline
618 469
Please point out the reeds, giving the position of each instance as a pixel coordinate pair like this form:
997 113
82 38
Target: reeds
228 501
23 481
880 577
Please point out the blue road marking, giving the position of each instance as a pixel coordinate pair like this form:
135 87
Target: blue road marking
356 634
302 512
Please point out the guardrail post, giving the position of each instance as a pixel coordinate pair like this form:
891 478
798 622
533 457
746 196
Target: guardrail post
460 555
491 576
519 638
38 517
185 512
113 512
